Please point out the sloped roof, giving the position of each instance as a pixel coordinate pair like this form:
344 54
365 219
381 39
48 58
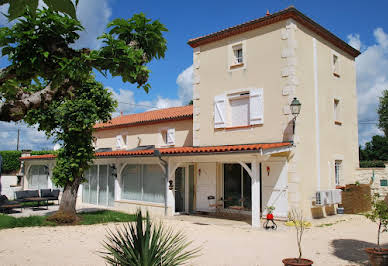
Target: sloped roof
290 12
181 150
168 114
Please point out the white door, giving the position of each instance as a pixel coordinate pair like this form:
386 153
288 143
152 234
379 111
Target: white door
206 185
275 187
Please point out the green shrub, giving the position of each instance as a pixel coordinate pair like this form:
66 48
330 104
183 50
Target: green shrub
43 152
11 161
143 243
372 164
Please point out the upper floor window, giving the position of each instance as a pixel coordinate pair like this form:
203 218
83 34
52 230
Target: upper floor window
335 65
238 109
168 136
236 55
338 172
337 109
120 143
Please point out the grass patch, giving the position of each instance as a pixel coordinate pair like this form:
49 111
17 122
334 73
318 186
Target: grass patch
330 224
103 216
35 204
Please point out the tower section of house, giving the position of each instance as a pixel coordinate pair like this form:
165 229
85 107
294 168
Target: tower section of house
245 78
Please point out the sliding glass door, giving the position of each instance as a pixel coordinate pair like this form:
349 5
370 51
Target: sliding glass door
237 186
99 189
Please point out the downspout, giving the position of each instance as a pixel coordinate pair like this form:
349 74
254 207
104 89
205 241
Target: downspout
165 165
316 98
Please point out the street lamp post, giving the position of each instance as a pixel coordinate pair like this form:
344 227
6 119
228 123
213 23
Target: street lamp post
295 111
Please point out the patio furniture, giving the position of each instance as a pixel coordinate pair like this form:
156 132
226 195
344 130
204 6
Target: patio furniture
6 204
38 200
215 205
50 195
30 196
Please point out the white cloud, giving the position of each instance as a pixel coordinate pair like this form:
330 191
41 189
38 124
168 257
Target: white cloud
185 84
126 101
372 79
94 16
354 41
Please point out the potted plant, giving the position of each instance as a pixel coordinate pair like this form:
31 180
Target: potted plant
378 256
296 218
270 210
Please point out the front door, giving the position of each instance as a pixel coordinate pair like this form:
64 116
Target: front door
275 187
180 189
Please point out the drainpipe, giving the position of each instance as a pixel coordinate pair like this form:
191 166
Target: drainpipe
165 165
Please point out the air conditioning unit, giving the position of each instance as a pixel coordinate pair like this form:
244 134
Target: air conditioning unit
337 196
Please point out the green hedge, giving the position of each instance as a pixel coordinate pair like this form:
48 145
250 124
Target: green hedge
372 164
11 161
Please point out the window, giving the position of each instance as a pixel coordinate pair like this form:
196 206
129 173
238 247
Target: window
338 172
335 65
337 117
238 55
120 144
239 109
38 177
237 186
168 136
143 183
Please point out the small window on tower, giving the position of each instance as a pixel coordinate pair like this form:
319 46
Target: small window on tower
336 65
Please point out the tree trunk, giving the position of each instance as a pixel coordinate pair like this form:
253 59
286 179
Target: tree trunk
69 198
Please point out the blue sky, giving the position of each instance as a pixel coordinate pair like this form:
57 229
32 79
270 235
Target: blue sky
361 24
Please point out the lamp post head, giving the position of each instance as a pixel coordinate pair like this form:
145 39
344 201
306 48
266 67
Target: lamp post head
295 107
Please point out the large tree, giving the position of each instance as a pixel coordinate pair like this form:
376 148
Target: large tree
16 8
383 113
51 84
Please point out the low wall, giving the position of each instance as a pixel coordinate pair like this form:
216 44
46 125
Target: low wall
131 207
364 176
8 185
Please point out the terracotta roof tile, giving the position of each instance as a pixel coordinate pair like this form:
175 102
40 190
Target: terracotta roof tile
290 12
173 113
182 150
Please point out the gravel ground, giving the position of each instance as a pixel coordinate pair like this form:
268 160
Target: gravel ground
339 242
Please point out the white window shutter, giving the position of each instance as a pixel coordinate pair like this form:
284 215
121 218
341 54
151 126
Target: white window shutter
171 136
120 144
256 106
219 111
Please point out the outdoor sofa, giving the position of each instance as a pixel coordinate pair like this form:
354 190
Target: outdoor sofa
7 205
24 196
50 194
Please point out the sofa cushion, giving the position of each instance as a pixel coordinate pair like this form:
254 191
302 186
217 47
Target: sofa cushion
45 193
3 199
21 194
55 193
32 193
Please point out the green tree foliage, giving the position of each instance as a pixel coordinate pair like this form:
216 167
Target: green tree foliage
379 215
383 113
377 148
145 244
18 7
51 84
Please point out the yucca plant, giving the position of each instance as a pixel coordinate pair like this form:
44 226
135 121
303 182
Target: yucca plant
143 243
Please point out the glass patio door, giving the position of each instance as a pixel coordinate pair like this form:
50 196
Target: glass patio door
237 186
99 189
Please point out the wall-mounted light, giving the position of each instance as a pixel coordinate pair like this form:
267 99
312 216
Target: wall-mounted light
295 107
170 185
114 169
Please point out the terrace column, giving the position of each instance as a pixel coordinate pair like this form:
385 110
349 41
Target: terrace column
256 194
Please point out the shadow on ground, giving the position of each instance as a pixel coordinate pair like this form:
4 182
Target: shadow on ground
352 250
